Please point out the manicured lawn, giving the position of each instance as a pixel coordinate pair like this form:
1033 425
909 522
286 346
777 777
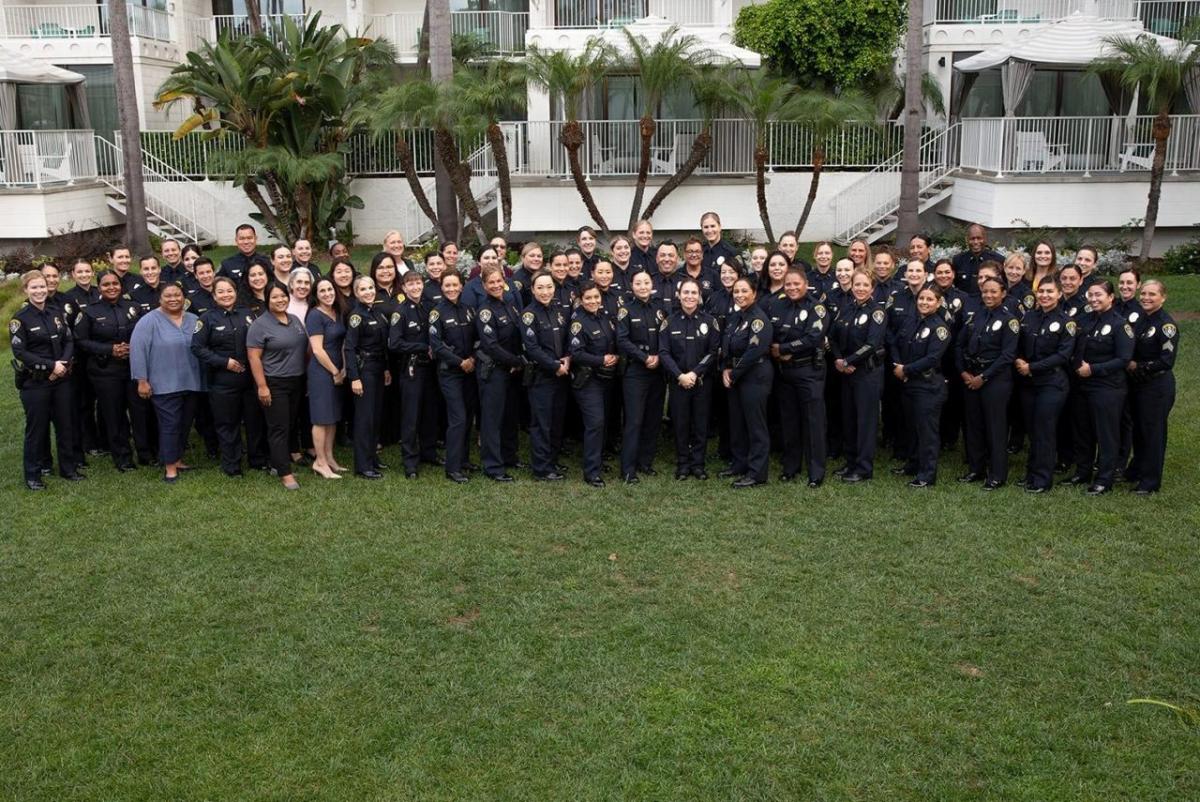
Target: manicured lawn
224 639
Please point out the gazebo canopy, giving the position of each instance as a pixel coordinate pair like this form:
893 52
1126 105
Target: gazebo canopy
17 69
653 29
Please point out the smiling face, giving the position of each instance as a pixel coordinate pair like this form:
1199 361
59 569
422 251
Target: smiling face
918 251
281 259
574 265
795 286
1014 271
302 251
1070 280
884 266
170 299
385 273
943 275
861 287
493 285
560 268
743 294
277 300
301 286
693 256
1152 297
621 252
602 274
533 260
843 271
643 235
668 259
928 302
435 266
543 289
758 258
976 239
642 286
1043 257
170 252
689 297
587 242
110 287
789 245
364 290
1098 298
823 257
590 300
914 275
729 275
326 293
151 272
1127 285
777 267
413 286
343 274
247 240
52 276
1085 260
711 229
450 254
224 294
204 275
36 292
83 274
451 287
991 293
1048 295
857 253
121 260
394 244
256 277
489 258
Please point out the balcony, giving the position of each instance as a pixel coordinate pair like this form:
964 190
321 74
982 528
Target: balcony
502 31
1163 17
79 22
40 159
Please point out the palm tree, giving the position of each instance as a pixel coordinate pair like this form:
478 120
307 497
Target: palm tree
765 100
441 68
136 232
660 67
825 114
888 90
570 78
712 89
907 216
1162 75
399 113
488 94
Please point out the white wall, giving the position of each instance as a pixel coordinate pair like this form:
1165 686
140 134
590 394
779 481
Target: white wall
35 215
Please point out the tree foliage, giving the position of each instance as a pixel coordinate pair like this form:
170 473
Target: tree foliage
823 44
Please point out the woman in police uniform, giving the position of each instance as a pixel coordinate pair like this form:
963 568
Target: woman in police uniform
42 348
409 337
1102 355
748 374
103 331
593 350
918 351
638 324
453 341
857 345
689 344
986 348
366 368
1044 352
498 374
544 336
799 352
1152 387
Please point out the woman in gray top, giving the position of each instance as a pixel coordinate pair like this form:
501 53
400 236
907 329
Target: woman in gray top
277 347
167 372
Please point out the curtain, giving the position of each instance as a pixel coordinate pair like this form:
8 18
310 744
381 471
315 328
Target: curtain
962 88
77 97
1191 87
8 106
1015 78
1118 99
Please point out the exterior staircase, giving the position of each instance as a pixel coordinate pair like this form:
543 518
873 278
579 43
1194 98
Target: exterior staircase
868 208
176 206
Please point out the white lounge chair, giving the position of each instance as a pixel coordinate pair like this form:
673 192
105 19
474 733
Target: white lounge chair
57 168
1032 149
602 158
667 160
1138 154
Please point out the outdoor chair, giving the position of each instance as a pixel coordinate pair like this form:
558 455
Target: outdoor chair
1137 154
1032 149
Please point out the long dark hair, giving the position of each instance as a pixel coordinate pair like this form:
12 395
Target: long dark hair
339 300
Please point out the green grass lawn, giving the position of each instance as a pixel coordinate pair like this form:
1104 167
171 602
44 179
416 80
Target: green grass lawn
223 639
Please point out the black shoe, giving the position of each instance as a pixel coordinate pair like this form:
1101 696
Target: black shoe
815 483
992 484
786 477
969 478
553 476
170 479
234 474
648 471
74 476
842 471
368 474
35 484
919 484
730 473
1075 480
595 481
853 478
1036 490
410 475
500 477
127 467
631 479
681 476
700 473
1098 490
746 481
458 477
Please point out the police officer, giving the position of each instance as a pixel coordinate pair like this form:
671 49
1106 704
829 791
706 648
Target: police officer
199 291
799 352
220 345
1152 387
102 331
544 337
858 351
917 354
409 337
638 324
720 305
1044 352
88 435
666 279
366 368
689 347
453 340
954 305
42 348
745 345
714 246
967 263
1102 354
987 346
593 350
902 315
499 367
1074 414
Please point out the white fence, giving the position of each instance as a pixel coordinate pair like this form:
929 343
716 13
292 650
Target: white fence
1163 17
46 158
79 22
614 13
502 31
1075 144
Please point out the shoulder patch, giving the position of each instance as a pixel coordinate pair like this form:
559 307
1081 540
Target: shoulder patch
576 327
527 318
434 316
15 325
942 332
1128 330
1014 325
1071 327
199 325
820 310
355 321
877 316
622 313
485 315
395 318
1169 330
756 325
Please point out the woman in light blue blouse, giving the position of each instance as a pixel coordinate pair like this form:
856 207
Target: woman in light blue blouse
167 372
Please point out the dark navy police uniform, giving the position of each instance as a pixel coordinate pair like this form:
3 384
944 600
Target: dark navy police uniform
745 345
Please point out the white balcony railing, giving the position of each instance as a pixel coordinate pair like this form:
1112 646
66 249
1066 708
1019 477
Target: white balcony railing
1167 17
46 158
503 31
79 22
1163 17
1084 145
615 13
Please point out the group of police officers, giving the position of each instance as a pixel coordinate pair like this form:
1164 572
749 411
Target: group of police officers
605 347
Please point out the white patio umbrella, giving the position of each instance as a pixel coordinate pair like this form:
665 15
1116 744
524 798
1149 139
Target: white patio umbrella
18 69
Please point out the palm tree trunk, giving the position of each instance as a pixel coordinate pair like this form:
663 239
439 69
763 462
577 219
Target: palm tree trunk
818 162
571 138
414 181
646 128
423 43
1162 132
270 220
287 229
701 145
760 188
907 220
460 179
441 68
500 156
136 227
254 17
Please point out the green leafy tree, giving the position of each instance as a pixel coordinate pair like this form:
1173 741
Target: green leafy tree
1162 74
829 44
570 78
